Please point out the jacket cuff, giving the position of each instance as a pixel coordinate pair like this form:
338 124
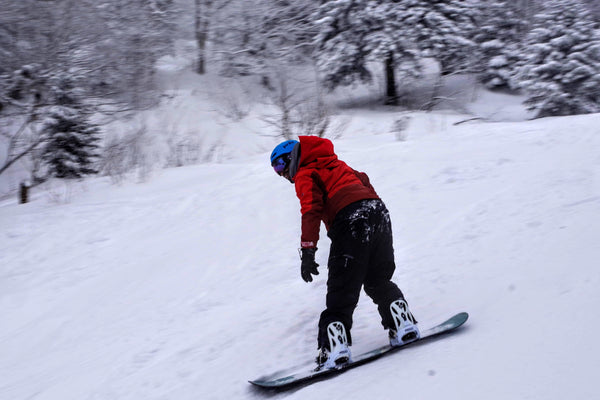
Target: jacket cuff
308 245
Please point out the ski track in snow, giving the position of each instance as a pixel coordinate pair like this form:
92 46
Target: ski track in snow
188 285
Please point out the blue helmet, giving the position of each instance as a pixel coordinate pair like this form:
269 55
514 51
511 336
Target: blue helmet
282 149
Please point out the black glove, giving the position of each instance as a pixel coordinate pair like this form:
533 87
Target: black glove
309 266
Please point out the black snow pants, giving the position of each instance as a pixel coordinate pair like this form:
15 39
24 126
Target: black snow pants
361 253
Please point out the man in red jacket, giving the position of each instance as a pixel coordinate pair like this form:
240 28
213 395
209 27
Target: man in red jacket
361 253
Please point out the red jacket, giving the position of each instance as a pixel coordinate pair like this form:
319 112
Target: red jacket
324 186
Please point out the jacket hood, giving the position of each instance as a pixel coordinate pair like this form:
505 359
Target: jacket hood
315 149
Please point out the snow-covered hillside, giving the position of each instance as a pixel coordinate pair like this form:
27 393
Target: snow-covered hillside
187 285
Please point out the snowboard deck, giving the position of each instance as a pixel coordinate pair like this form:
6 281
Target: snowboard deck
283 380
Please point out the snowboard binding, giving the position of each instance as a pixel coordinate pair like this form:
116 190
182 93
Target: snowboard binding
338 353
406 325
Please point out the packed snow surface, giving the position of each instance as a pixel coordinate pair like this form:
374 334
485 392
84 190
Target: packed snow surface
187 285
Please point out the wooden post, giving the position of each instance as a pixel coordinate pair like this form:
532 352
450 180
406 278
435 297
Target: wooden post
23 193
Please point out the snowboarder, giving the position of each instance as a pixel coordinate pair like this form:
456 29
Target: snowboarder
361 252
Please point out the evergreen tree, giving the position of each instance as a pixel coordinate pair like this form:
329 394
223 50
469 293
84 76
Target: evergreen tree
561 69
442 29
353 33
70 139
499 36
71 144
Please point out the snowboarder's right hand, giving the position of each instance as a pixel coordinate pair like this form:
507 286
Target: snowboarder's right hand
309 266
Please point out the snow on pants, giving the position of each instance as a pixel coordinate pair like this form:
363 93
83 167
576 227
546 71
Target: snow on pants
361 253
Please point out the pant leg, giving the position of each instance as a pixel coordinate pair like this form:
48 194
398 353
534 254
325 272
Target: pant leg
383 291
378 283
347 264
344 283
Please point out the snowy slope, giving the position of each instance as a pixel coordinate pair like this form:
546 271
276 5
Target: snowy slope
186 286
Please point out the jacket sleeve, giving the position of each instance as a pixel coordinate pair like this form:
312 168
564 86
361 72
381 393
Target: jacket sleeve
311 198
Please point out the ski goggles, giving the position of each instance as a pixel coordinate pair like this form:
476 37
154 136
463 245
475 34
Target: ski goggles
279 165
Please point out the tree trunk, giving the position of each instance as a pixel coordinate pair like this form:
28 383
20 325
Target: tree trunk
200 62
201 30
391 96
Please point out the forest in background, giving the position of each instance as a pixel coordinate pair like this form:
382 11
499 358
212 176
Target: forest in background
71 66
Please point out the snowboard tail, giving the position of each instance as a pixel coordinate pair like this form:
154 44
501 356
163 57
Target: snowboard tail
285 380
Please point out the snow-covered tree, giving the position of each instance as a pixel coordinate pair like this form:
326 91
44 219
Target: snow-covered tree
594 7
561 68
112 45
397 34
442 30
259 36
70 149
107 49
273 41
352 34
499 36
70 140
126 42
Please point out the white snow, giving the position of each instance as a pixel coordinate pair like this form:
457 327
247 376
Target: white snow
187 285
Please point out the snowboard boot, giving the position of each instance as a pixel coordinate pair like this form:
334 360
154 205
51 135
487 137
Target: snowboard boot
338 352
406 325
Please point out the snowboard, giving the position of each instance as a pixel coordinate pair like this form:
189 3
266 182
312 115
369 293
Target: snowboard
285 380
